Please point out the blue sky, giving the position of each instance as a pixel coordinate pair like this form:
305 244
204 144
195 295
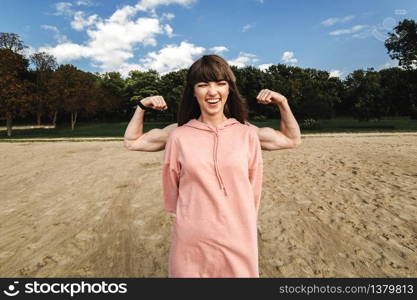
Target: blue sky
167 35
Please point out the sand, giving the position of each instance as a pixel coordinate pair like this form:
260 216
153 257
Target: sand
337 206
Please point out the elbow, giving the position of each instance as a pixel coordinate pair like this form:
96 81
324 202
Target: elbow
135 146
127 144
296 143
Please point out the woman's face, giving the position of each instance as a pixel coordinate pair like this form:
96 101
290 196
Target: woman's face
213 91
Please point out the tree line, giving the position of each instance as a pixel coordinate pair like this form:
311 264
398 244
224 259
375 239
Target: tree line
36 88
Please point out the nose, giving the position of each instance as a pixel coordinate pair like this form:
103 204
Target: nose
212 90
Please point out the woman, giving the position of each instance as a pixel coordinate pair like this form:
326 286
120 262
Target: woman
212 175
212 178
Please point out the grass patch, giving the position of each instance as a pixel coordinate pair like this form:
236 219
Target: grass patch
116 130
82 130
351 125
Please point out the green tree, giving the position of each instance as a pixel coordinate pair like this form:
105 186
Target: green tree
411 79
67 91
96 98
141 84
171 88
365 94
402 44
319 94
281 78
250 81
12 42
112 87
14 86
44 64
395 88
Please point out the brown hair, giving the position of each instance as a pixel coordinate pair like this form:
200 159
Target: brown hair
211 68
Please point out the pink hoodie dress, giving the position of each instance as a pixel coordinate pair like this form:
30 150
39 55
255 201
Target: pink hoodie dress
212 182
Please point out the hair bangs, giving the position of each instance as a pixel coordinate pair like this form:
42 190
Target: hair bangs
210 69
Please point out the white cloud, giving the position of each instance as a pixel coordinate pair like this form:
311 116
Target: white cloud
395 64
152 13
335 73
58 36
264 67
125 68
85 3
66 52
385 66
288 57
400 11
389 64
124 14
243 60
168 30
150 4
172 57
332 21
167 16
63 8
28 51
369 31
260 1
80 21
112 42
247 27
219 49
113 36
354 29
66 8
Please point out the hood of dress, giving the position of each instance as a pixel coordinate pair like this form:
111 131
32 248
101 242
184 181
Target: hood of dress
203 126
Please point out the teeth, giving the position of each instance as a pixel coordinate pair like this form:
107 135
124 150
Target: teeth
213 101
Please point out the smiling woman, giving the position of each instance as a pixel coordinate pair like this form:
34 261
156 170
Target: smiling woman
212 171
212 178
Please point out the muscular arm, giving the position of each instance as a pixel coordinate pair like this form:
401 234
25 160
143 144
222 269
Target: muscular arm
155 139
272 139
151 141
287 137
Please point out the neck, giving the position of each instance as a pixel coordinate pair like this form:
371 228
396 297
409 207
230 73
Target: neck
212 120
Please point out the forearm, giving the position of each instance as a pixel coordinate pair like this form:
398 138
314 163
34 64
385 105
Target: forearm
289 126
135 127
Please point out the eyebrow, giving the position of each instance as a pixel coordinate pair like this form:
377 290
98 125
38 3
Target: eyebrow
203 82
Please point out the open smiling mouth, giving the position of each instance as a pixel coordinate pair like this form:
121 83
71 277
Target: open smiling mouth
213 101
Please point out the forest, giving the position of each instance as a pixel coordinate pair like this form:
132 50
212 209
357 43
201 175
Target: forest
37 90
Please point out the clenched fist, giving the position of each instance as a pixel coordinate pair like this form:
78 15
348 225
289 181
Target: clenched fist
155 102
267 96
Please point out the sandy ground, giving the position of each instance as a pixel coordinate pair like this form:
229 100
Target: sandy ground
337 206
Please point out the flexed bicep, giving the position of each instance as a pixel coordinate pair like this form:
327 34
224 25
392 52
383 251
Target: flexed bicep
272 139
152 140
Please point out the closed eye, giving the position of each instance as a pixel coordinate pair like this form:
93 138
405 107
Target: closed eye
205 84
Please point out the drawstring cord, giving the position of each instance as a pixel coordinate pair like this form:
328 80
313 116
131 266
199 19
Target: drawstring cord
219 178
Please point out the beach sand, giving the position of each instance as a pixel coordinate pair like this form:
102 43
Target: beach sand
337 206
